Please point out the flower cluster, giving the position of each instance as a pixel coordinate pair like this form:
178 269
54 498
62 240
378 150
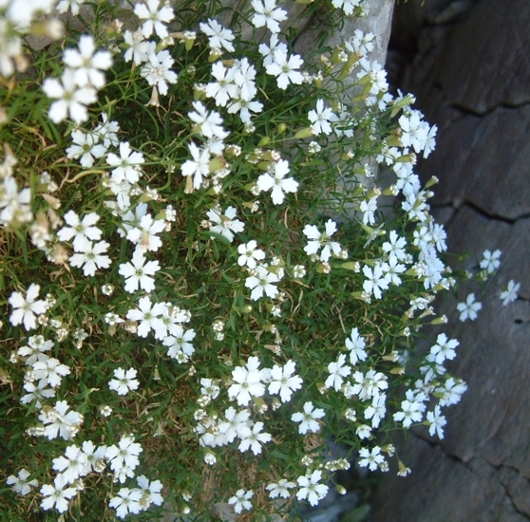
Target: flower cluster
201 286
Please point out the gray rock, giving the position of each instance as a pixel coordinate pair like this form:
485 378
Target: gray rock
481 157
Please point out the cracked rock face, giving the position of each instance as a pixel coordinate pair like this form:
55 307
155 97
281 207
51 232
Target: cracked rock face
472 78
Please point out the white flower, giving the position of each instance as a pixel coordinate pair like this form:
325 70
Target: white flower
144 236
283 381
412 409
376 411
138 47
71 99
85 146
72 465
26 308
310 488
277 181
151 491
375 280
249 253
59 420
124 457
436 421
337 371
510 294
266 13
86 65
356 345
444 348
369 207
241 500
236 424
50 372
320 118
127 501
91 257
83 231
199 166
270 51
218 35
280 489
286 70
21 484
137 273
125 381
225 87
248 381
491 261
225 224
346 5
308 419
208 124
317 240
371 458
36 393
262 282
127 165
254 438
56 496
157 70
73 5
179 343
95 456
150 317
156 17
469 309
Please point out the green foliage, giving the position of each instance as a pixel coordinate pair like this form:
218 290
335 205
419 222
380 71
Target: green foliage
209 316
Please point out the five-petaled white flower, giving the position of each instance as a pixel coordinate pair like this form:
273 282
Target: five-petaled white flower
469 308
249 253
149 316
262 281
241 500
126 165
218 35
91 257
436 422
124 381
510 294
25 309
137 273
87 64
337 370
308 419
318 240
126 501
225 223
280 489
286 69
277 181
83 231
320 118
248 381
157 70
71 99
20 484
57 496
156 17
284 381
266 13
310 487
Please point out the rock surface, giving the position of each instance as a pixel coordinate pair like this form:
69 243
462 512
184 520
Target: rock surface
471 77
